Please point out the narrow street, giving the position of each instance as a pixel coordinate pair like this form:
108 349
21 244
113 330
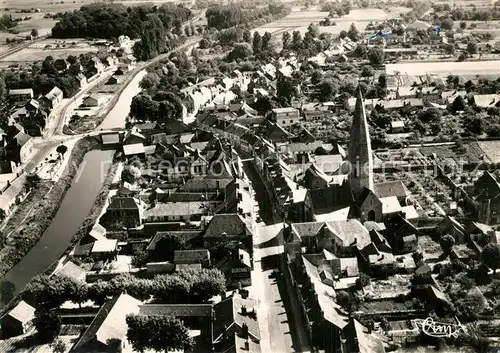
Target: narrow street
282 328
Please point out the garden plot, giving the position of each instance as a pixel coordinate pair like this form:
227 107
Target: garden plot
491 149
58 49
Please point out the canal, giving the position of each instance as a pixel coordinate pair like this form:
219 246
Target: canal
117 116
74 208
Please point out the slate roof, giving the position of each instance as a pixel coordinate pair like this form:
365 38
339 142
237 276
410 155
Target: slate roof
390 188
109 323
359 340
228 313
122 203
350 231
191 256
22 312
136 148
331 198
184 236
231 224
72 271
176 310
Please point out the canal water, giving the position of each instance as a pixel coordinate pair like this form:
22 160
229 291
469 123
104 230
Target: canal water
74 208
116 117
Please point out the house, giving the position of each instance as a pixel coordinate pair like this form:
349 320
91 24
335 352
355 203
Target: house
128 60
51 99
110 139
108 330
487 189
17 321
82 79
126 210
356 338
136 149
326 200
449 225
113 80
198 256
196 316
286 117
104 249
230 227
61 65
21 147
91 101
97 64
17 96
73 271
236 325
397 126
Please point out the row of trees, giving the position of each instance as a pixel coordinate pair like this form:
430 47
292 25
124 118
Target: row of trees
6 23
43 77
113 20
158 333
161 107
183 287
227 16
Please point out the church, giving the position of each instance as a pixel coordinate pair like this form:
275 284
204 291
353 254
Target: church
371 201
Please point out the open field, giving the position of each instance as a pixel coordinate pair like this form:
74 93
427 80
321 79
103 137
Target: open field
299 20
466 68
62 6
56 48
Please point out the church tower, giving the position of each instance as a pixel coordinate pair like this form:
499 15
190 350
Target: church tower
359 153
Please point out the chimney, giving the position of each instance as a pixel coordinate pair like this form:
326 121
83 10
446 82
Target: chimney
382 257
247 345
243 310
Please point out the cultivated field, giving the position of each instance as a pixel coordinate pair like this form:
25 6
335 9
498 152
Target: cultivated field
444 68
299 20
55 48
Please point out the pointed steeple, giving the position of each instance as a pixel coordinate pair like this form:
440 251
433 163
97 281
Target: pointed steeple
359 153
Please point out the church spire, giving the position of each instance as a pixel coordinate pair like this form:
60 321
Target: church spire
359 153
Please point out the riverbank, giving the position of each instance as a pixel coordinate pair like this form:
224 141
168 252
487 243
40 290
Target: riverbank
36 212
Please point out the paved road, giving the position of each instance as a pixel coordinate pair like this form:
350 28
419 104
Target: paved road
281 324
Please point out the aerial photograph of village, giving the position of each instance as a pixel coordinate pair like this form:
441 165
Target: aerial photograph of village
264 176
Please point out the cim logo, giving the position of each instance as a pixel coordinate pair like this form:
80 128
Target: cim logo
439 329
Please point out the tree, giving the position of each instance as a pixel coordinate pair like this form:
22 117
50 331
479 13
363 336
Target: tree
494 287
47 324
491 256
286 40
264 105
463 25
449 49
296 40
447 241
240 51
140 258
58 346
376 56
161 333
367 71
472 48
353 33
247 36
447 24
458 104
313 29
61 149
130 174
327 91
256 42
34 33
32 181
266 38
342 34
363 280
316 77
